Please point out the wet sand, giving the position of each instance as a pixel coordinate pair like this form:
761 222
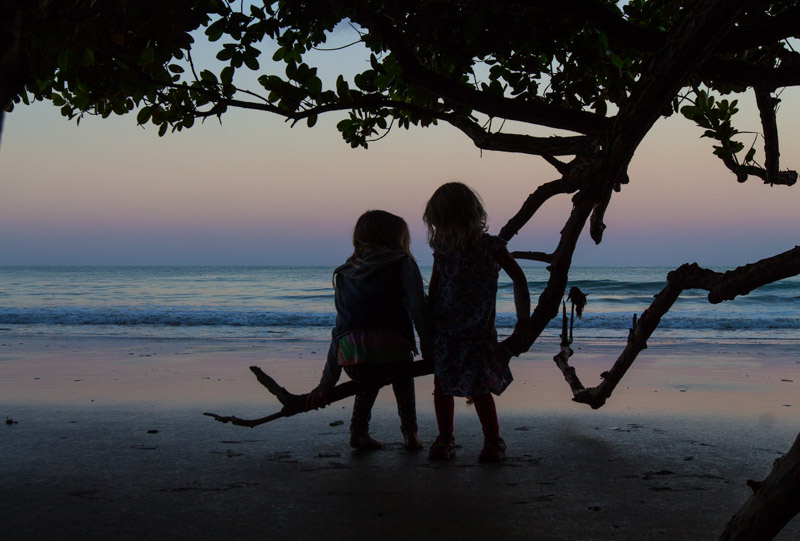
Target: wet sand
110 442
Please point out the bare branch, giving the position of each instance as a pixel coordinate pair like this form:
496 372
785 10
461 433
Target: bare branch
596 225
296 403
534 202
721 287
565 352
745 279
766 108
526 144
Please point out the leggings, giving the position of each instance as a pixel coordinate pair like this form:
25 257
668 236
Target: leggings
484 406
377 375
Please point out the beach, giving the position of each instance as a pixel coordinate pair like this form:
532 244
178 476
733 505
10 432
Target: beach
108 440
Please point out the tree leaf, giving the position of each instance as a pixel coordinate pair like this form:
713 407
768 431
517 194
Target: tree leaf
143 116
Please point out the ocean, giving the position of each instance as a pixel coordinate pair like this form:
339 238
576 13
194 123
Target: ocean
219 302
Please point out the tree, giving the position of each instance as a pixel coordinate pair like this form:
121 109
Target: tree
595 74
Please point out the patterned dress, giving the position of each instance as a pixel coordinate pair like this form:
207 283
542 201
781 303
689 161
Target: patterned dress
465 338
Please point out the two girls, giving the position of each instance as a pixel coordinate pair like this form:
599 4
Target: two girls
379 293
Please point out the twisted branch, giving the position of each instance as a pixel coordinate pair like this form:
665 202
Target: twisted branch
721 287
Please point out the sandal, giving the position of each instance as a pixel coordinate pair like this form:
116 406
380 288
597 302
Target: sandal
443 448
493 451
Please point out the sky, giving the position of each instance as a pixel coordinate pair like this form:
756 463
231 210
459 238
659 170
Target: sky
255 191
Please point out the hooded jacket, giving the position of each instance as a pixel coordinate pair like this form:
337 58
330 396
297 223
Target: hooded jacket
383 290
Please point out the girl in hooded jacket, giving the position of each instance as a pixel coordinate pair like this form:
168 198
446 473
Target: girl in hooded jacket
379 299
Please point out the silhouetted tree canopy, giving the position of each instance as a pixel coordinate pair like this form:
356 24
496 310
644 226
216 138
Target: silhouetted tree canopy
597 73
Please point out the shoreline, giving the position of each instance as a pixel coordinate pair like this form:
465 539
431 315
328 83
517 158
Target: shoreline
110 442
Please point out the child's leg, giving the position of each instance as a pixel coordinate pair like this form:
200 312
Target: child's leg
407 410
487 413
359 422
445 445
494 448
444 406
362 407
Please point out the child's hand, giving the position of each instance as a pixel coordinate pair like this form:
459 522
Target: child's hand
318 398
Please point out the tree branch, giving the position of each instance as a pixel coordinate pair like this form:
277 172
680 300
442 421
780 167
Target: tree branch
692 40
766 108
721 287
774 502
495 106
738 73
534 202
749 36
565 352
296 403
746 278
526 144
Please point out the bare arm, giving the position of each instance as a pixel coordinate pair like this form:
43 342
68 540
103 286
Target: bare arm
414 299
522 297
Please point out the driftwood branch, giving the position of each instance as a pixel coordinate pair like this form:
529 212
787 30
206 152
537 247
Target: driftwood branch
774 502
721 287
562 358
296 403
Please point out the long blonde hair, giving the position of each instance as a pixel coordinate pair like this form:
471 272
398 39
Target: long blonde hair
455 217
378 228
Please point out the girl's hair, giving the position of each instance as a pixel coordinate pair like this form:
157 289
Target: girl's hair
455 217
382 229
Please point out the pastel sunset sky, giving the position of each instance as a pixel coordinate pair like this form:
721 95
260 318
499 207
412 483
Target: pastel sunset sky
253 190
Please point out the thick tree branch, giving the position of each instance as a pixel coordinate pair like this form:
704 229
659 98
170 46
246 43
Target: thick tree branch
774 502
721 287
692 40
738 73
526 144
745 279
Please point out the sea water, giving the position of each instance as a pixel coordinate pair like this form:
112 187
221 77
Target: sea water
297 302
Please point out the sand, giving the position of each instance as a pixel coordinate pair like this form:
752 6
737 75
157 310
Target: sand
109 442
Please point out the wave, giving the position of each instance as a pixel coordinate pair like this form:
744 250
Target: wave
250 318
163 318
